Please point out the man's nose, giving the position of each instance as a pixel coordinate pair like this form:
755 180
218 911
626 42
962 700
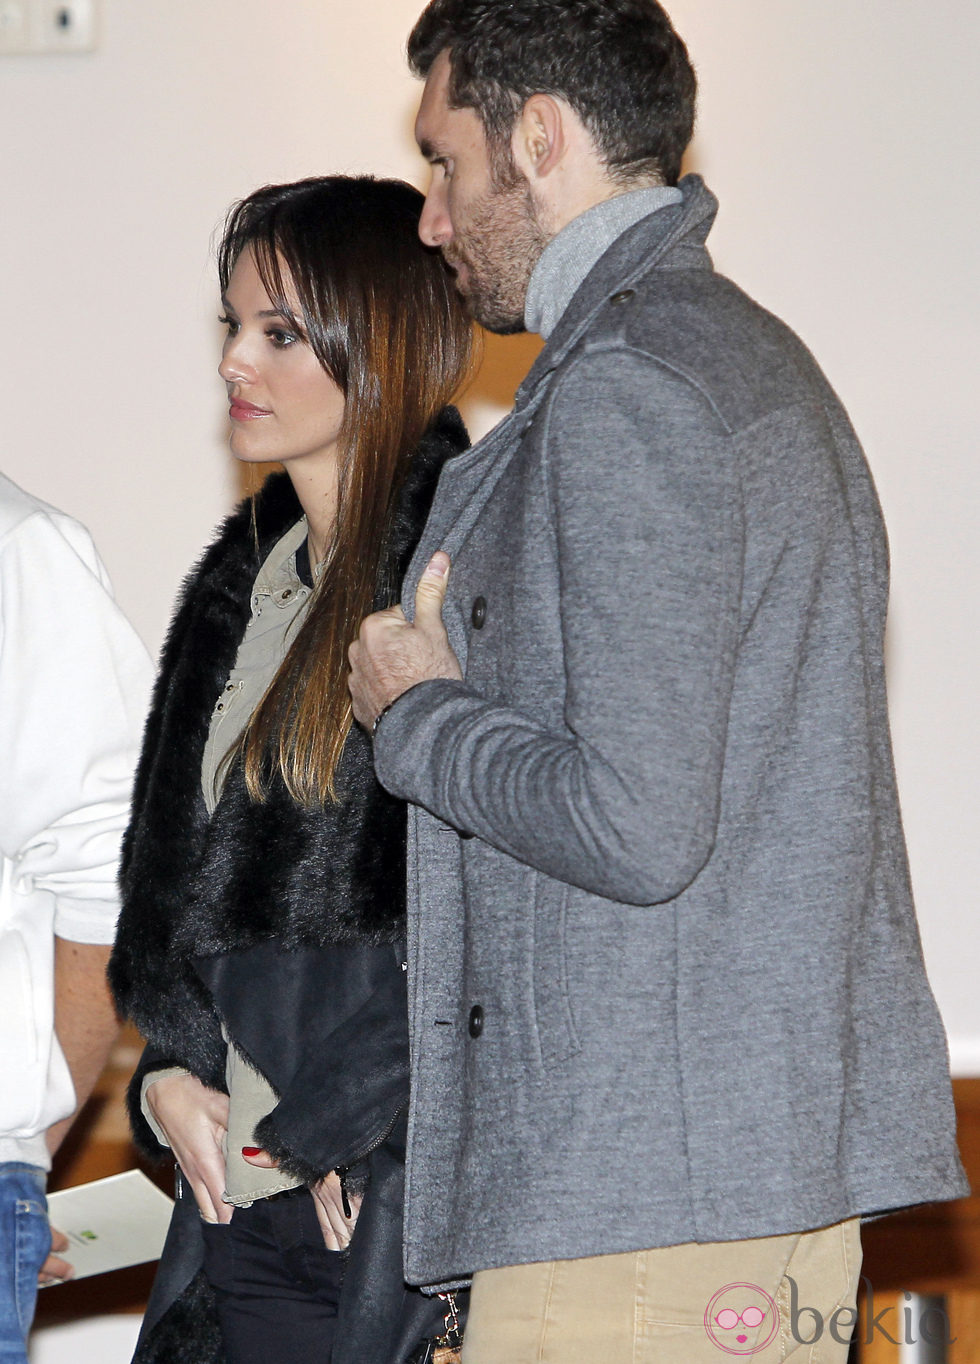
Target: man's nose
435 224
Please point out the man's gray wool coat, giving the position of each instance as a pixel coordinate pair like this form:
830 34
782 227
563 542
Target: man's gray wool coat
671 989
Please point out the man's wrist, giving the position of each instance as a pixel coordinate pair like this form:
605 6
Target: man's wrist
383 712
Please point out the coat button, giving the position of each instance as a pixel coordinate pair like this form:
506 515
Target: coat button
476 1020
479 613
623 296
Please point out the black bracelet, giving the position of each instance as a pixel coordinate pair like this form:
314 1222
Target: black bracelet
380 716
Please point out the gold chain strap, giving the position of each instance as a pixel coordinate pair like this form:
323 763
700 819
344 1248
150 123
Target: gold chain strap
449 1346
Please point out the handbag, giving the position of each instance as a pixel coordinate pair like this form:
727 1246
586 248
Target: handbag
447 1347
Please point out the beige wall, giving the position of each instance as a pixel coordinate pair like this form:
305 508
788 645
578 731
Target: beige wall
842 140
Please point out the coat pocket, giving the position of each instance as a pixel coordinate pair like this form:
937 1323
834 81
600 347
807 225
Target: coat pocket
554 1014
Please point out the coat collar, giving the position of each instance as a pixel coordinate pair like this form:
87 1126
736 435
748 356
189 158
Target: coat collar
671 238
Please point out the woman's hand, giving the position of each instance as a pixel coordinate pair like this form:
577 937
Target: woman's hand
328 1201
195 1120
329 1204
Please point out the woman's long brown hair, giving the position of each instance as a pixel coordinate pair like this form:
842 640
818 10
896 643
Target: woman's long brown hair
382 316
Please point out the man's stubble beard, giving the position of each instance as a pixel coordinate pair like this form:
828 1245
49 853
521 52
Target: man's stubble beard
500 248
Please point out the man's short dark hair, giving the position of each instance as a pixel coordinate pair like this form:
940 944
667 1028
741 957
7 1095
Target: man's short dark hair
618 63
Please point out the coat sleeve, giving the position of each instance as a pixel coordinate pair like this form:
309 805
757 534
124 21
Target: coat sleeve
327 1027
346 1095
624 800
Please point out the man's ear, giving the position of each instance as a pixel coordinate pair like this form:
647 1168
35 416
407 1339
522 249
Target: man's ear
539 140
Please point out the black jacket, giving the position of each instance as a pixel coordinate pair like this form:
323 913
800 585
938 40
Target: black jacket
286 925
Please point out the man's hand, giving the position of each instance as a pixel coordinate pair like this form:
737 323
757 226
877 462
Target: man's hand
328 1200
390 654
195 1120
54 1269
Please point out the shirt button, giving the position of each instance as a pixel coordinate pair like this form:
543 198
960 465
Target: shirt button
476 1020
287 592
479 613
622 297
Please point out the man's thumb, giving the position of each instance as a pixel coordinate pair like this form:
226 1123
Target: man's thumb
431 591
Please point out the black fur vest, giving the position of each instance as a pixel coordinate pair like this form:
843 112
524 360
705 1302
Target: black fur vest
194 886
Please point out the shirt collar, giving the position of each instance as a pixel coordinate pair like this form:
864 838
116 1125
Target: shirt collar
277 578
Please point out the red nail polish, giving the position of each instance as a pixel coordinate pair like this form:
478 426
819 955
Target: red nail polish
251 1150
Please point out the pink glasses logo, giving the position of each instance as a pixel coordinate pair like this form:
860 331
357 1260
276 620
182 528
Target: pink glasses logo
741 1319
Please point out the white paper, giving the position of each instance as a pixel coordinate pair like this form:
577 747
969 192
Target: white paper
111 1223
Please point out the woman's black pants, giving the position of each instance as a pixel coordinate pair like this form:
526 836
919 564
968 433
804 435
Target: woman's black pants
276 1284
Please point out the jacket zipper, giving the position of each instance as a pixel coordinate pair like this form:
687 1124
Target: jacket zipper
342 1171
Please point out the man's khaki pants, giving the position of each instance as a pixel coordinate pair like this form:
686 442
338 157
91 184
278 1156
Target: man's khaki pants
775 1298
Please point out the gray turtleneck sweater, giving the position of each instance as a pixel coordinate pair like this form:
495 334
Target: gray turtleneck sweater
568 257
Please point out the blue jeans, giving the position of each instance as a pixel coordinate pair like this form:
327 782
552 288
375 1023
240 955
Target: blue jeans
25 1239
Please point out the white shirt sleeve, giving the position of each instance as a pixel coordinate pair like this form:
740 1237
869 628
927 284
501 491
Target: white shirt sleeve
74 683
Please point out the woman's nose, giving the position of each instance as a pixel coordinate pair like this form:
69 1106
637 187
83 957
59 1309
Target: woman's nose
234 365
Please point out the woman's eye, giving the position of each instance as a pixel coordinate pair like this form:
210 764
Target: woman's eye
230 323
280 338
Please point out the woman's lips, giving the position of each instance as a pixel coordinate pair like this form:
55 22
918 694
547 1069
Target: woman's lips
242 411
